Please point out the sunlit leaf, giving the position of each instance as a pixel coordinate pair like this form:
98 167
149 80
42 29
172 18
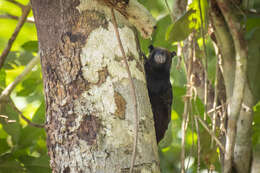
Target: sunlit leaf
31 46
17 58
30 84
2 78
39 116
201 15
182 28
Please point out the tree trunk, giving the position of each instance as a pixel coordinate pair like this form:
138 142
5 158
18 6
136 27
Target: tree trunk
234 54
89 106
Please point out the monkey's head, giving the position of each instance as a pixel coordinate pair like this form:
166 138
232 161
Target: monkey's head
160 58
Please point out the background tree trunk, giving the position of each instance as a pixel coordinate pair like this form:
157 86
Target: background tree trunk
89 107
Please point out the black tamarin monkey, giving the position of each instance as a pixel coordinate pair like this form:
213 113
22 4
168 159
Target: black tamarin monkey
157 71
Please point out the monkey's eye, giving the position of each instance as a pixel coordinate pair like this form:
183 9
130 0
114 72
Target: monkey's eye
159 58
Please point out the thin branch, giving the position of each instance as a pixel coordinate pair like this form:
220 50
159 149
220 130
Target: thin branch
132 87
16 3
183 133
187 104
7 91
239 83
19 25
192 145
211 133
198 143
205 63
6 119
9 16
214 109
215 94
23 117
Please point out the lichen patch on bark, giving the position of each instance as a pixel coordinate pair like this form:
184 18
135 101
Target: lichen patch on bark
88 129
120 105
99 53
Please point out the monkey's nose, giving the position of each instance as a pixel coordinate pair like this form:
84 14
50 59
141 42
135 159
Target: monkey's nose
159 59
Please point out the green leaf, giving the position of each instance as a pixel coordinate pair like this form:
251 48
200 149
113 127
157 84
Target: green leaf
36 164
41 146
17 58
178 75
256 125
13 128
3 146
2 78
182 28
9 164
11 60
159 34
200 12
252 27
31 84
198 106
30 135
39 116
178 93
254 64
156 7
30 46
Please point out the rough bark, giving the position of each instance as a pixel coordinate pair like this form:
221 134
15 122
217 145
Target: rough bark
243 144
256 161
89 109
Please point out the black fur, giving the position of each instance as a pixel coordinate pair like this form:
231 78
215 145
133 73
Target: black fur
157 70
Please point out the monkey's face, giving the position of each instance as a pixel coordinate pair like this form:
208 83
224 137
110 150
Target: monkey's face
160 58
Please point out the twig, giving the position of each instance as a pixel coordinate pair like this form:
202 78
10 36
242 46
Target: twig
192 146
239 83
211 133
198 142
205 64
183 133
132 89
9 16
16 3
213 110
7 91
6 119
21 21
186 105
23 117
215 94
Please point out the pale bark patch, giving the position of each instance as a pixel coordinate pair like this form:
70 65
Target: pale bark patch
100 51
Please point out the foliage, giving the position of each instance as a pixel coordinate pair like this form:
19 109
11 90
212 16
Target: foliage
23 147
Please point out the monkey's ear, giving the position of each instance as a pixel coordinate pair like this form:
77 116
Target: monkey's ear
173 53
151 48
